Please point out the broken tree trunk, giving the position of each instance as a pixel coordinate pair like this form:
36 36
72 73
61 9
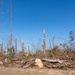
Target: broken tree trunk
44 42
22 46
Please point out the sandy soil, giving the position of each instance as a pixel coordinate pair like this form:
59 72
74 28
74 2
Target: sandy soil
30 71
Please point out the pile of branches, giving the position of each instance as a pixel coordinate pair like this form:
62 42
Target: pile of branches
49 63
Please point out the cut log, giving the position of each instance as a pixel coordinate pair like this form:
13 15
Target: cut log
38 63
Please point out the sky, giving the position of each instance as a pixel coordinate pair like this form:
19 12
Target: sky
31 17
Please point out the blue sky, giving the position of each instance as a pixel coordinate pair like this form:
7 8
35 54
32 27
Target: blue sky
30 17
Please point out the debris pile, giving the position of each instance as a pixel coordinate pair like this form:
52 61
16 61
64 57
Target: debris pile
48 63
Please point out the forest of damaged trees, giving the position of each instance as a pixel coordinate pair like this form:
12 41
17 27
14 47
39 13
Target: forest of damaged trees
57 56
65 52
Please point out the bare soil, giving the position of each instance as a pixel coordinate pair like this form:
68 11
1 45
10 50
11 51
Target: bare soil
33 71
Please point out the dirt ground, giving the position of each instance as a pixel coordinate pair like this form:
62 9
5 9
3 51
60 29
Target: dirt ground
30 71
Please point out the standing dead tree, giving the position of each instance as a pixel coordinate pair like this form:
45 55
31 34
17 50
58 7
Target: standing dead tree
52 43
44 42
22 46
16 45
10 23
29 50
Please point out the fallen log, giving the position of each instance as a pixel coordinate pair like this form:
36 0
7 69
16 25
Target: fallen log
53 60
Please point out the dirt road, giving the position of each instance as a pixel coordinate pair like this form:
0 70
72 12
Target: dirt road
20 71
